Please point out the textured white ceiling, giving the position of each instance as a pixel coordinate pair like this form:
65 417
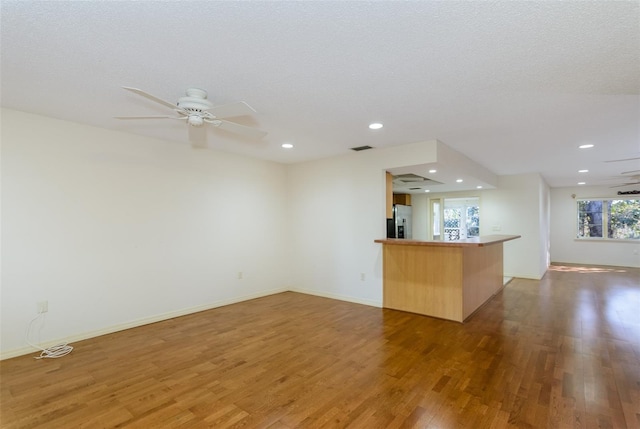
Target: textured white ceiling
515 86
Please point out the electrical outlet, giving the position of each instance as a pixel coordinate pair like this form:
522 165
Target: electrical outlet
43 306
239 275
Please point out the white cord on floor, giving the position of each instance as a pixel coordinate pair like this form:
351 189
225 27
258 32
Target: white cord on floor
52 352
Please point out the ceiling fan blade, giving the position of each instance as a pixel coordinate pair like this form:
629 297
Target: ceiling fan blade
151 97
198 137
149 117
625 184
625 159
243 130
229 110
630 171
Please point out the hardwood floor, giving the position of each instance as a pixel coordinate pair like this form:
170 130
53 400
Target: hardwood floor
560 352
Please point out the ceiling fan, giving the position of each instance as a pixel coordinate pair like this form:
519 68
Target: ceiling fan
633 179
196 110
624 159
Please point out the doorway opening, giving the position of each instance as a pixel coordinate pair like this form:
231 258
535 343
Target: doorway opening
455 218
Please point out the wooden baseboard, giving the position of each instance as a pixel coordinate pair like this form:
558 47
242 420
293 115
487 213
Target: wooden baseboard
139 322
346 298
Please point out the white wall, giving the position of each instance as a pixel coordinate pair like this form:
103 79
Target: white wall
420 216
115 230
338 210
564 245
545 224
515 208
519 206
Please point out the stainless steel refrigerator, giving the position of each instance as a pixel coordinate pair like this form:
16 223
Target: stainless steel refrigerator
402 220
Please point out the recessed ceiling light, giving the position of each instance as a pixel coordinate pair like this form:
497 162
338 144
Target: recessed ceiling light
427 190
459 181
585 146
433 171
583 171
287 145
479 187
375 126
582 183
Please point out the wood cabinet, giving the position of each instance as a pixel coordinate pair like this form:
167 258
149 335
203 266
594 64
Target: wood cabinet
404 199
449 280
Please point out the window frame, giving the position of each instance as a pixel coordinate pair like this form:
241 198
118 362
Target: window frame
605 204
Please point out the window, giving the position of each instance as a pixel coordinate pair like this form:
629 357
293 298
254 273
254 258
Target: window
461 218
609 219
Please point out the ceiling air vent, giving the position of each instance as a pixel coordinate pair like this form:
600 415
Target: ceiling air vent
411 179
359 148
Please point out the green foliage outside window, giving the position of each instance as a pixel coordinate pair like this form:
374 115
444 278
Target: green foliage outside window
624 219
473 221
612 219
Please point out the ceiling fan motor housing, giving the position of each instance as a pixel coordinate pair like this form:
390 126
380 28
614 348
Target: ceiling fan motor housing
196 106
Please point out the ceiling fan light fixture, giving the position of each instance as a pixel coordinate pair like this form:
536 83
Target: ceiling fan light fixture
195 120
375 126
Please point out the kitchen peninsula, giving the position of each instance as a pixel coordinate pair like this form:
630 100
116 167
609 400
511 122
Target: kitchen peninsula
445 279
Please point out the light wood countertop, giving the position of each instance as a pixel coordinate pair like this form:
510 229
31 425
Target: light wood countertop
469 242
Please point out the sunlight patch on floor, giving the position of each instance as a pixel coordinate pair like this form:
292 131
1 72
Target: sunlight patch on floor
580 268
